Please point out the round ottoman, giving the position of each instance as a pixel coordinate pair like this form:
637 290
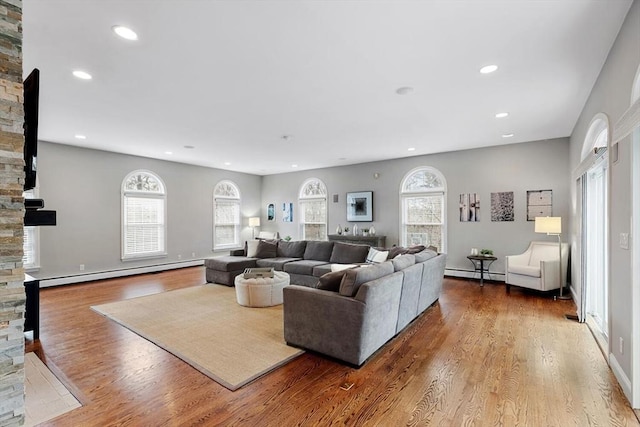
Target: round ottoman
262 291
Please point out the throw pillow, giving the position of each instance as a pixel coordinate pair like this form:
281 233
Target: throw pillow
348 253
252 248
331 281
375 256
266 249
340 267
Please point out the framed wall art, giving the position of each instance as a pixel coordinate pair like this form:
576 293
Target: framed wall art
502 206
539 203
360 206
469 207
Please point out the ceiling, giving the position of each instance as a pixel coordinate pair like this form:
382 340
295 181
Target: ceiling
260 86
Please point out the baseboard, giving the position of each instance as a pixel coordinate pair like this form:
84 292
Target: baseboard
80 278
620 375
470 274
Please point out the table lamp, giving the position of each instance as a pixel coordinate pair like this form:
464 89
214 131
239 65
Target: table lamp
254 222
552 226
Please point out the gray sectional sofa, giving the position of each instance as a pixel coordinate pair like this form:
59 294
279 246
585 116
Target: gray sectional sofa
352 317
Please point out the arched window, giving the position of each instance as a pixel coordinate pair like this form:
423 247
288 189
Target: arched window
144 207
226 216
597 136
313 210
423 209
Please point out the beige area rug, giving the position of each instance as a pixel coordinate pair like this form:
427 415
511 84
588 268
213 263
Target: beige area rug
207 328
45 396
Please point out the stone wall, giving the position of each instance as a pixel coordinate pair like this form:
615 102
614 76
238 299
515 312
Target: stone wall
12 295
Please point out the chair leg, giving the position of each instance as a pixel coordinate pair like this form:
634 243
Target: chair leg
508 288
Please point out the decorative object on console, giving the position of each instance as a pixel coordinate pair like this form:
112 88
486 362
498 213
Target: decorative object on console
287 238
552 226
360 206
355 229
254 222
539 203
339 230
502 206
365 232
372 231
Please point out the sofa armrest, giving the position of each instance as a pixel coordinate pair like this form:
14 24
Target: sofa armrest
549 274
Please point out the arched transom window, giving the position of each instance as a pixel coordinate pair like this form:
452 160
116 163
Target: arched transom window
422 208
313 210
226 216
144 226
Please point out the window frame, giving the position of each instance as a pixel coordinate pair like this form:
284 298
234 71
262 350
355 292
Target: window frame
155 195
236 199
406 194
304 197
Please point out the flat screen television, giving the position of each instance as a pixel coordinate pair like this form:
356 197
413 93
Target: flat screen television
31 96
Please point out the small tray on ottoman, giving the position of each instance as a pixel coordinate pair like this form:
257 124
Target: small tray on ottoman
254 273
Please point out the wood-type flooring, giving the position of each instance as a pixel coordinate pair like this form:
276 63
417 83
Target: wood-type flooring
477 357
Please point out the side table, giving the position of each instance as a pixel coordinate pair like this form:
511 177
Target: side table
478 265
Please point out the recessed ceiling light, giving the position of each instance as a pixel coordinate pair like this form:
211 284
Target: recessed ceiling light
507 135
405 90
168 152
411 149
488 69
501 115
82 75
78 136
124 32
189 147
294 166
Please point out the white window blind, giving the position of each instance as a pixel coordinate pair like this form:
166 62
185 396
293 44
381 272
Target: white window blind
226 216
144 216
313 210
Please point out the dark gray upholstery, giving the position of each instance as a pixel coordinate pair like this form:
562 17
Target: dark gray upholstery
304 266
319 251
291 249
267 249
348 253
355 277
275 263
229 263
321 270
352 328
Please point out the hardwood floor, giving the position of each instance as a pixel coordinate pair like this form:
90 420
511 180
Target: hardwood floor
478 357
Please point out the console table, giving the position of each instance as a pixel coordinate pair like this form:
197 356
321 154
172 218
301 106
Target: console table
32 306
378 241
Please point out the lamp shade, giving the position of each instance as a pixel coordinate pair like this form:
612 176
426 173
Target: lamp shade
254 221
548 224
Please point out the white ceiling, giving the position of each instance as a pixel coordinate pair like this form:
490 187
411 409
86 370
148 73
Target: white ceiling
232 77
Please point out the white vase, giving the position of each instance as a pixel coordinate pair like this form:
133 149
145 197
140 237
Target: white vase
355 229
339 230
372 231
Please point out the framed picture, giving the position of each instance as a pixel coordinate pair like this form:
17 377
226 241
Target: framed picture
287 212
271 212
469 207
502 206
360 206
539 203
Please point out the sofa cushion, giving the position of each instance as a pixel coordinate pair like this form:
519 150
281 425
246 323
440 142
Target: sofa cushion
376 256
331 281
403 261
355 277
275 263
426 254
348 253
291 249
266 249
319 251
525 270
229 263
304 266
321 269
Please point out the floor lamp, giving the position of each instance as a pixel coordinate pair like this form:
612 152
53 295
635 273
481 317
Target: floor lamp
552 226
254 222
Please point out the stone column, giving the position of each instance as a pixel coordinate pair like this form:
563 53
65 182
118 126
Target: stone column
12 294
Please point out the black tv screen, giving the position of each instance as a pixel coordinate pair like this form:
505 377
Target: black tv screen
31 95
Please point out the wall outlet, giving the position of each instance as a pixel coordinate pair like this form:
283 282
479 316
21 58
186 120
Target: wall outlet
621 345
193 254
624 240
81 267
179 256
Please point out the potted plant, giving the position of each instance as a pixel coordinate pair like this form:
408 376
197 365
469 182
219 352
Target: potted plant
287 238
365 231
486 252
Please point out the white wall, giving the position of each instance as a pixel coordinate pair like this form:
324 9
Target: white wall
542 165
611 95
84 187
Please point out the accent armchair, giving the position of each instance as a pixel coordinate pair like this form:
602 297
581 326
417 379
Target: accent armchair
537 267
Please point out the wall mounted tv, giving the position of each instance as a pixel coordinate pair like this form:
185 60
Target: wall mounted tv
31 90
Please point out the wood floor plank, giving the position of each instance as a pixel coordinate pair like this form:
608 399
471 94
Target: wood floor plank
478 357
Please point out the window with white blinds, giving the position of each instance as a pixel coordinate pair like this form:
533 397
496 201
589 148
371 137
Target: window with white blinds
144 226
226 216
423 214
31 241
313 210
